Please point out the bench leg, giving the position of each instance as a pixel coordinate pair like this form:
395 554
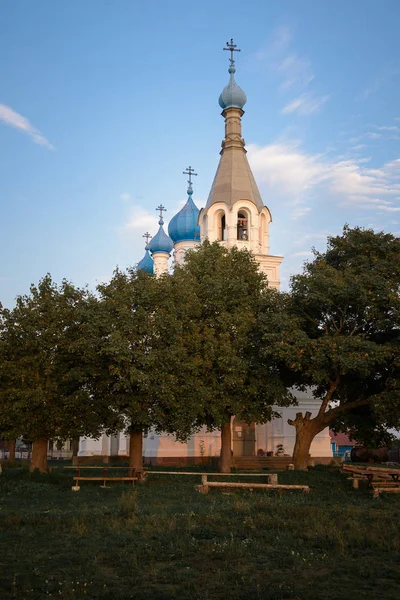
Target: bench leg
376 494
355 484
203 489
273 478
104 484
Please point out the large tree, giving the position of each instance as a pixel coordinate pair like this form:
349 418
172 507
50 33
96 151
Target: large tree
140 363
43 390
342 339
233 378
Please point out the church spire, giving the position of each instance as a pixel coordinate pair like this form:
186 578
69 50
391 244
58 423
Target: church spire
232 94
234 180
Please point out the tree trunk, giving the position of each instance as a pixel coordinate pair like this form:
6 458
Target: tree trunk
75 447
306 430
11 448
39 455
136 450
226 444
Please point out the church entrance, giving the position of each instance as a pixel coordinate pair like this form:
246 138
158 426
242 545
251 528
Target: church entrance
244 438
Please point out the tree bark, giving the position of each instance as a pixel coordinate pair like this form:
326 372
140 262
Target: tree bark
226 444
136 450
75 447
306 430
11 449
39 455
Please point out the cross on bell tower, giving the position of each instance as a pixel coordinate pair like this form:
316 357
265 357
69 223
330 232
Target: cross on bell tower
189 171
231 47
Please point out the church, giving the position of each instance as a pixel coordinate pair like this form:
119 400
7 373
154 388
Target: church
234 215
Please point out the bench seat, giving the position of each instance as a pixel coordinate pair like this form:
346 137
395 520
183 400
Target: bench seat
228 484
385 490
105 478
79 478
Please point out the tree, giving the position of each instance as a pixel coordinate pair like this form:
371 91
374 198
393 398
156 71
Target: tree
43 389
343 339
139 358
233 377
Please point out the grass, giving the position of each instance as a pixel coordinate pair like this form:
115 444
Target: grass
164 540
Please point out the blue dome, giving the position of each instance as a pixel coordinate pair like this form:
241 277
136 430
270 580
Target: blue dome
146 264
161 242
183 226
232 95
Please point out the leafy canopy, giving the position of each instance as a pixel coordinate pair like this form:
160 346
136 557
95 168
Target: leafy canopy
43 389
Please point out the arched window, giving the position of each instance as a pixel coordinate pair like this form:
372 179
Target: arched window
242 226
221 226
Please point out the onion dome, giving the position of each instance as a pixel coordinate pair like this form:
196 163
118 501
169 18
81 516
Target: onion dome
232 95
146 264
161 242
183 226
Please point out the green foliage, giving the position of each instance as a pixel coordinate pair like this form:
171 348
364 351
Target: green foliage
43 392
226 295
344 338
140 364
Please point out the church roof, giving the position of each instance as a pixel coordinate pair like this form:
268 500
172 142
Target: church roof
183 226
146 264
234 180
232 95
161 242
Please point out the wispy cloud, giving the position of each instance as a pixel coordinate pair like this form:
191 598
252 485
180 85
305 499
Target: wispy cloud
387 74
303 253
295 72
301 178
11 118
306 104
299 212
388 128
372 88
137 219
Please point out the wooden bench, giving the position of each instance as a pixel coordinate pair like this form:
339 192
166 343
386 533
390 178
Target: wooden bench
270 477
385 489
205 487
379 478
105 477
76 488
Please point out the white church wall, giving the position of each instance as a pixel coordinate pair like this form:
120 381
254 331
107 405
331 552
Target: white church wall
91 447
202 444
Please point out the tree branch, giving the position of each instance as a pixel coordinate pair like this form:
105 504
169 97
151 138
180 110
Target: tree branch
331 415
332 387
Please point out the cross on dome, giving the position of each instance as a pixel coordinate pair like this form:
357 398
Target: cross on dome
147 237
189 171
231 47
162 209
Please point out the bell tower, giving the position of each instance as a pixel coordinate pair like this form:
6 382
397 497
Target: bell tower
235 214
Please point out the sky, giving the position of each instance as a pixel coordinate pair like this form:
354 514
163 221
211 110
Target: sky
104 103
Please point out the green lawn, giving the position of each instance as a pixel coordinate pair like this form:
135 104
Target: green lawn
164 540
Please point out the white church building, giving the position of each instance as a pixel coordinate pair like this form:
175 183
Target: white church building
234 215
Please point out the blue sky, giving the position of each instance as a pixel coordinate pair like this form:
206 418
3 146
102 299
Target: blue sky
103 104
